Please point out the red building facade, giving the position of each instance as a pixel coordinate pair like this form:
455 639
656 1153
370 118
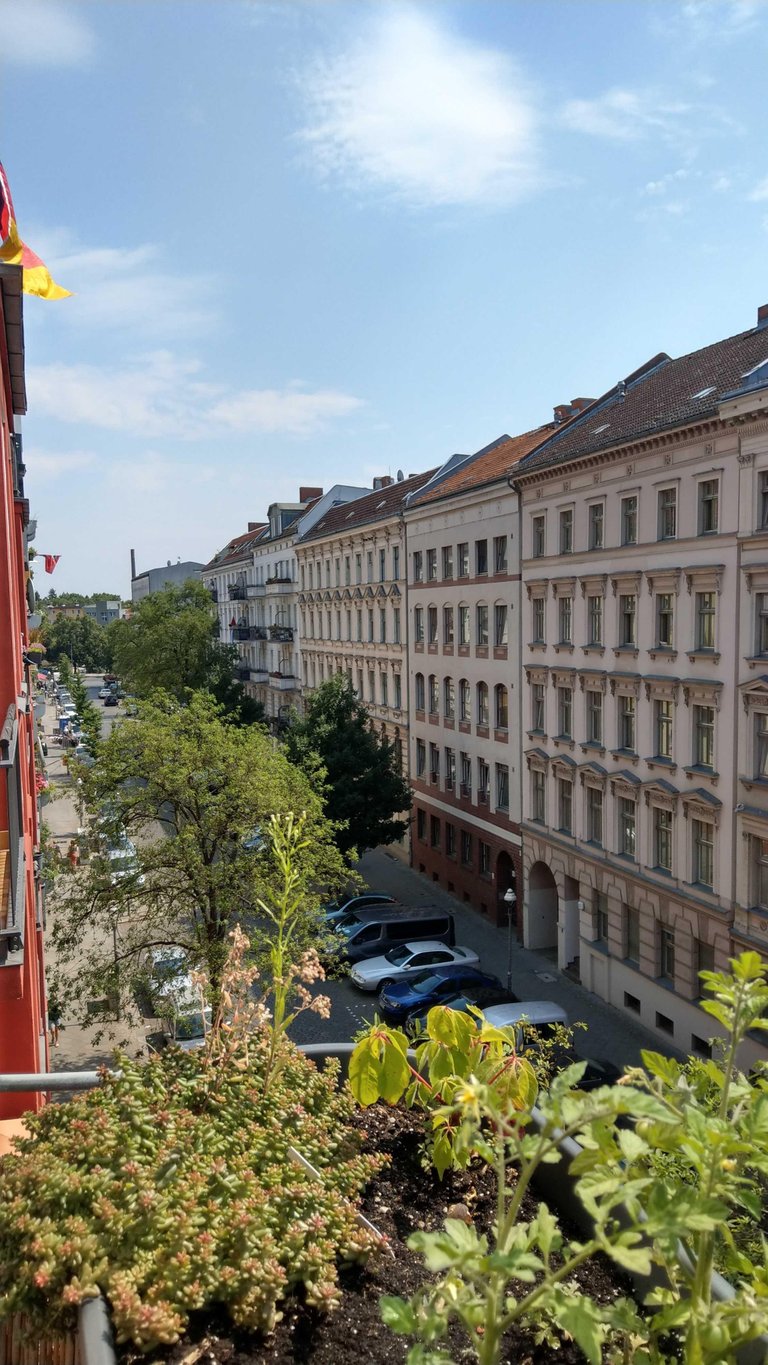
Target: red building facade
23 1038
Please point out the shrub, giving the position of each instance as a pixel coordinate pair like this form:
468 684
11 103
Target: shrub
172 1188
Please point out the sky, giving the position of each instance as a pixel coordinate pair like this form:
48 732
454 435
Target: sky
320 240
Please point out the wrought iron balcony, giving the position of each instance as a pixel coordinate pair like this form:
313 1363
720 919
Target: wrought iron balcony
258 633
241 632
238 592
282 634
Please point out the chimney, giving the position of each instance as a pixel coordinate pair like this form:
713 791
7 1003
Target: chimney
562 412
383 481
762 315
309 494
253 524
579 404
133 564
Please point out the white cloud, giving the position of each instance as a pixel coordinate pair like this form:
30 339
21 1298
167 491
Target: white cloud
720 19
625 115
760 192
661 186
53 464
44 33
413 109
160 395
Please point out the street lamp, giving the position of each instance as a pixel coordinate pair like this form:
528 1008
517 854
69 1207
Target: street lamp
510 900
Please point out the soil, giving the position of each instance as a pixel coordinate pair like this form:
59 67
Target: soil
403 1197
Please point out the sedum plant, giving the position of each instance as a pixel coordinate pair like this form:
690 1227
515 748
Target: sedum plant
175 1187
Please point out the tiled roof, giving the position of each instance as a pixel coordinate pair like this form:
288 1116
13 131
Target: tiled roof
663 394
376 506
490 463
237 548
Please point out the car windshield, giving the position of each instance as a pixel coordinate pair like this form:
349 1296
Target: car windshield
348 925
424 985
190 1026
398 956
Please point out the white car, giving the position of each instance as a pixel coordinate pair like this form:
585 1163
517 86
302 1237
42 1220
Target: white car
123 861
540 1014
406 960
103 692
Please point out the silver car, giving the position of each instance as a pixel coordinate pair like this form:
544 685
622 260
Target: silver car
406 960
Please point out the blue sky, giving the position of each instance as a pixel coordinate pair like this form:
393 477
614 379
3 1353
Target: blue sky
314 242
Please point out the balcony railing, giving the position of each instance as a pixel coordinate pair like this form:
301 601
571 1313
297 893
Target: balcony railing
283 682
258 633
238 592
214 593
243 674
241 632
282 634
278 578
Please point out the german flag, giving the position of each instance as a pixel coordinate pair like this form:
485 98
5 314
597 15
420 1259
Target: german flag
35 277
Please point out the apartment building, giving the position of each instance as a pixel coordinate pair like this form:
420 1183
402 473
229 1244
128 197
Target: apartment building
23 1037
464 676
352 603
644 565
229 579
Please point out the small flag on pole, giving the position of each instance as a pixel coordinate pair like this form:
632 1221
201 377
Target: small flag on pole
35 276
50 562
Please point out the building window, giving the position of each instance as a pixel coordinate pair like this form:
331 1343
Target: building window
664 619
704 961
761 623
594 717
500 554
337 570
760 873
601 916
663 728
594 815
421 758
565 620
667 527
463 625
596 525
434 763
395 562
418 625
421 823
566 531
484 854
761 746
384 688
396 625
704 736
565 712
705 620
565 805
627 713
631 927
627 827
434 831
538 620
462 554
450 840
499 625
482 704
382 565
466 775
449 704
481 556
628 620
666 953
595 620
629 520
466 848
538 796
419 692
502 786
763 501
447 625
418 567
432 625
662 839
709 497
482 624
431 565
447 561
370 624
538 539
398 692
358 568
369 565
382 625
450 769
465 700
501 707
703 835
434 695
372 685
537 707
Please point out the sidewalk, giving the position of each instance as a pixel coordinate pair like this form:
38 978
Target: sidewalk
76 1050
535 975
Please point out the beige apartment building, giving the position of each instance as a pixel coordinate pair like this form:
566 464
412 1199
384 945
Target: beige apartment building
352 603
464 666
645 577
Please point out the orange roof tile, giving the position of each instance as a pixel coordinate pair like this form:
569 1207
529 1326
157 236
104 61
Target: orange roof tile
488 465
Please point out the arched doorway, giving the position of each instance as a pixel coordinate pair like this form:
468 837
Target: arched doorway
542 908
507 913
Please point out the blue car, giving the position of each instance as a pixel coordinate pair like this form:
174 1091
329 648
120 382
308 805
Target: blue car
434 986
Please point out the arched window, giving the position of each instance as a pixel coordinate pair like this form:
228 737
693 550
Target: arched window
419 692
481 624
434 695
463 623
465 702
501 707
482 703
449 699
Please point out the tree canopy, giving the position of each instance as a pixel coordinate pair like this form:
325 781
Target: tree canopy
81 638
194 794
171 644
367 797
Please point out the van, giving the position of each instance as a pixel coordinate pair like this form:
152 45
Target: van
373 931
540 1015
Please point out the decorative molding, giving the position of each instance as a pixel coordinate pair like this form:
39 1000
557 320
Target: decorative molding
626 582
625 686
668 457
709 450
704 693
705 578
566 485
663 580
661 689
630 470
593 585
746 457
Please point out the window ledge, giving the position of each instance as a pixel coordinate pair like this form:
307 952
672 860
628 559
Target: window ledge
593 843
536 734
661 871
563 647
626 755
700 770
663 652
593 649
593 746
700 888
710 654
631 651
538 645
756 660
564 741
658 761
754 782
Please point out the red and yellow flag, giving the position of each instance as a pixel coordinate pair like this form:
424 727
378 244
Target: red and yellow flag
35 277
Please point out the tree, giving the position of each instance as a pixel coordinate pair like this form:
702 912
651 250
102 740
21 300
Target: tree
171 644
365 790
81 638
196 795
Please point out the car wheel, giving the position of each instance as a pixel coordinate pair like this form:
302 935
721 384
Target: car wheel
385 984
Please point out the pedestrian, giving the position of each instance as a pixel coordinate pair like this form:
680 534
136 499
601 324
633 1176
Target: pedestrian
54 1018
73 853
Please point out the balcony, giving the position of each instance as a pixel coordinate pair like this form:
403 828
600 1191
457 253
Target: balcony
238 592
256 590
282 634
283 682
241 632
280 587
257 633
243 674
259 674
214 593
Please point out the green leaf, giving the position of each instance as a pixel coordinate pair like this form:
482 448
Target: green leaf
378 1069
397 1314
580 1317
450 1027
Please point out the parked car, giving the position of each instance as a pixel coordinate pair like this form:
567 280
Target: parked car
335 911
407 960
123 860
104 692
438 986
539 1014
83 755
371 932
112 699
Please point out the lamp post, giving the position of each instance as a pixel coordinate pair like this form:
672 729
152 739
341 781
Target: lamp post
510 900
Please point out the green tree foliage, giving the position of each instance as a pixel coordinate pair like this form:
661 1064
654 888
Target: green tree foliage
171 644
83 640
74 599
365 791
192 791
90 717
